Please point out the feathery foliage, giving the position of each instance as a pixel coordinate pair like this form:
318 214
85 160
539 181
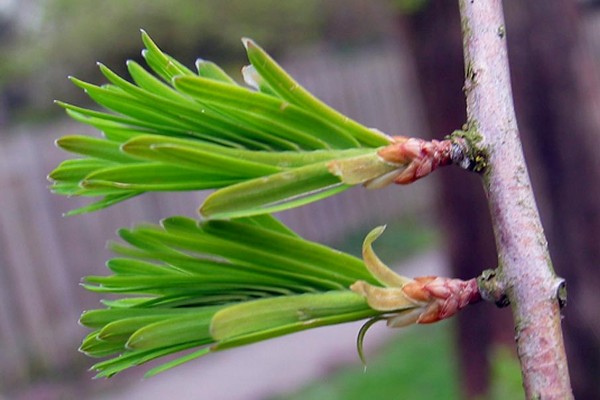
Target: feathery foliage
266 149
216 285
240 276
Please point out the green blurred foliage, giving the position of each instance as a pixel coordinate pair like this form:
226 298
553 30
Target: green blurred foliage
69 36
409 6
506 381
420 363
93 28
46 40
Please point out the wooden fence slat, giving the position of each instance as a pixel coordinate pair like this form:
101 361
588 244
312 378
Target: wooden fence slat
24 291
12 362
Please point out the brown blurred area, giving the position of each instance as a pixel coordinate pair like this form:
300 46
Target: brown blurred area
553 48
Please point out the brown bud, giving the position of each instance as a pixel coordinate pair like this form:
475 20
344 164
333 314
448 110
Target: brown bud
420 156
447 297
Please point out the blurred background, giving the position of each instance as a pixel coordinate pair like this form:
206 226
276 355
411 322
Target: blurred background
395 65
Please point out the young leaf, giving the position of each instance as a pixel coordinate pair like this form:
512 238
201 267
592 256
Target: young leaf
287 88
216 285
274 193
170 129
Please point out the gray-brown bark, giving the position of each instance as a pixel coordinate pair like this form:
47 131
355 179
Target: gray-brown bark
523 257
556 91
503 234
435 36
556 94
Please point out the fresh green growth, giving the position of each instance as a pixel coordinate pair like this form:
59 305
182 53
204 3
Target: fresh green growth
215 285
218 284
266 148
408 236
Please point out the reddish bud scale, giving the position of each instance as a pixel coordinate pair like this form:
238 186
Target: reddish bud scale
444 296
420 156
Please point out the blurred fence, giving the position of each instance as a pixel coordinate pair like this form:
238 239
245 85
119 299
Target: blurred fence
43 255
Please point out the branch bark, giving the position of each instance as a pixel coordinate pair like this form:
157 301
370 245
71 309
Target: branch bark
524 262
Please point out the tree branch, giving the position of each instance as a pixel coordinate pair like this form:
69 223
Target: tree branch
525 268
